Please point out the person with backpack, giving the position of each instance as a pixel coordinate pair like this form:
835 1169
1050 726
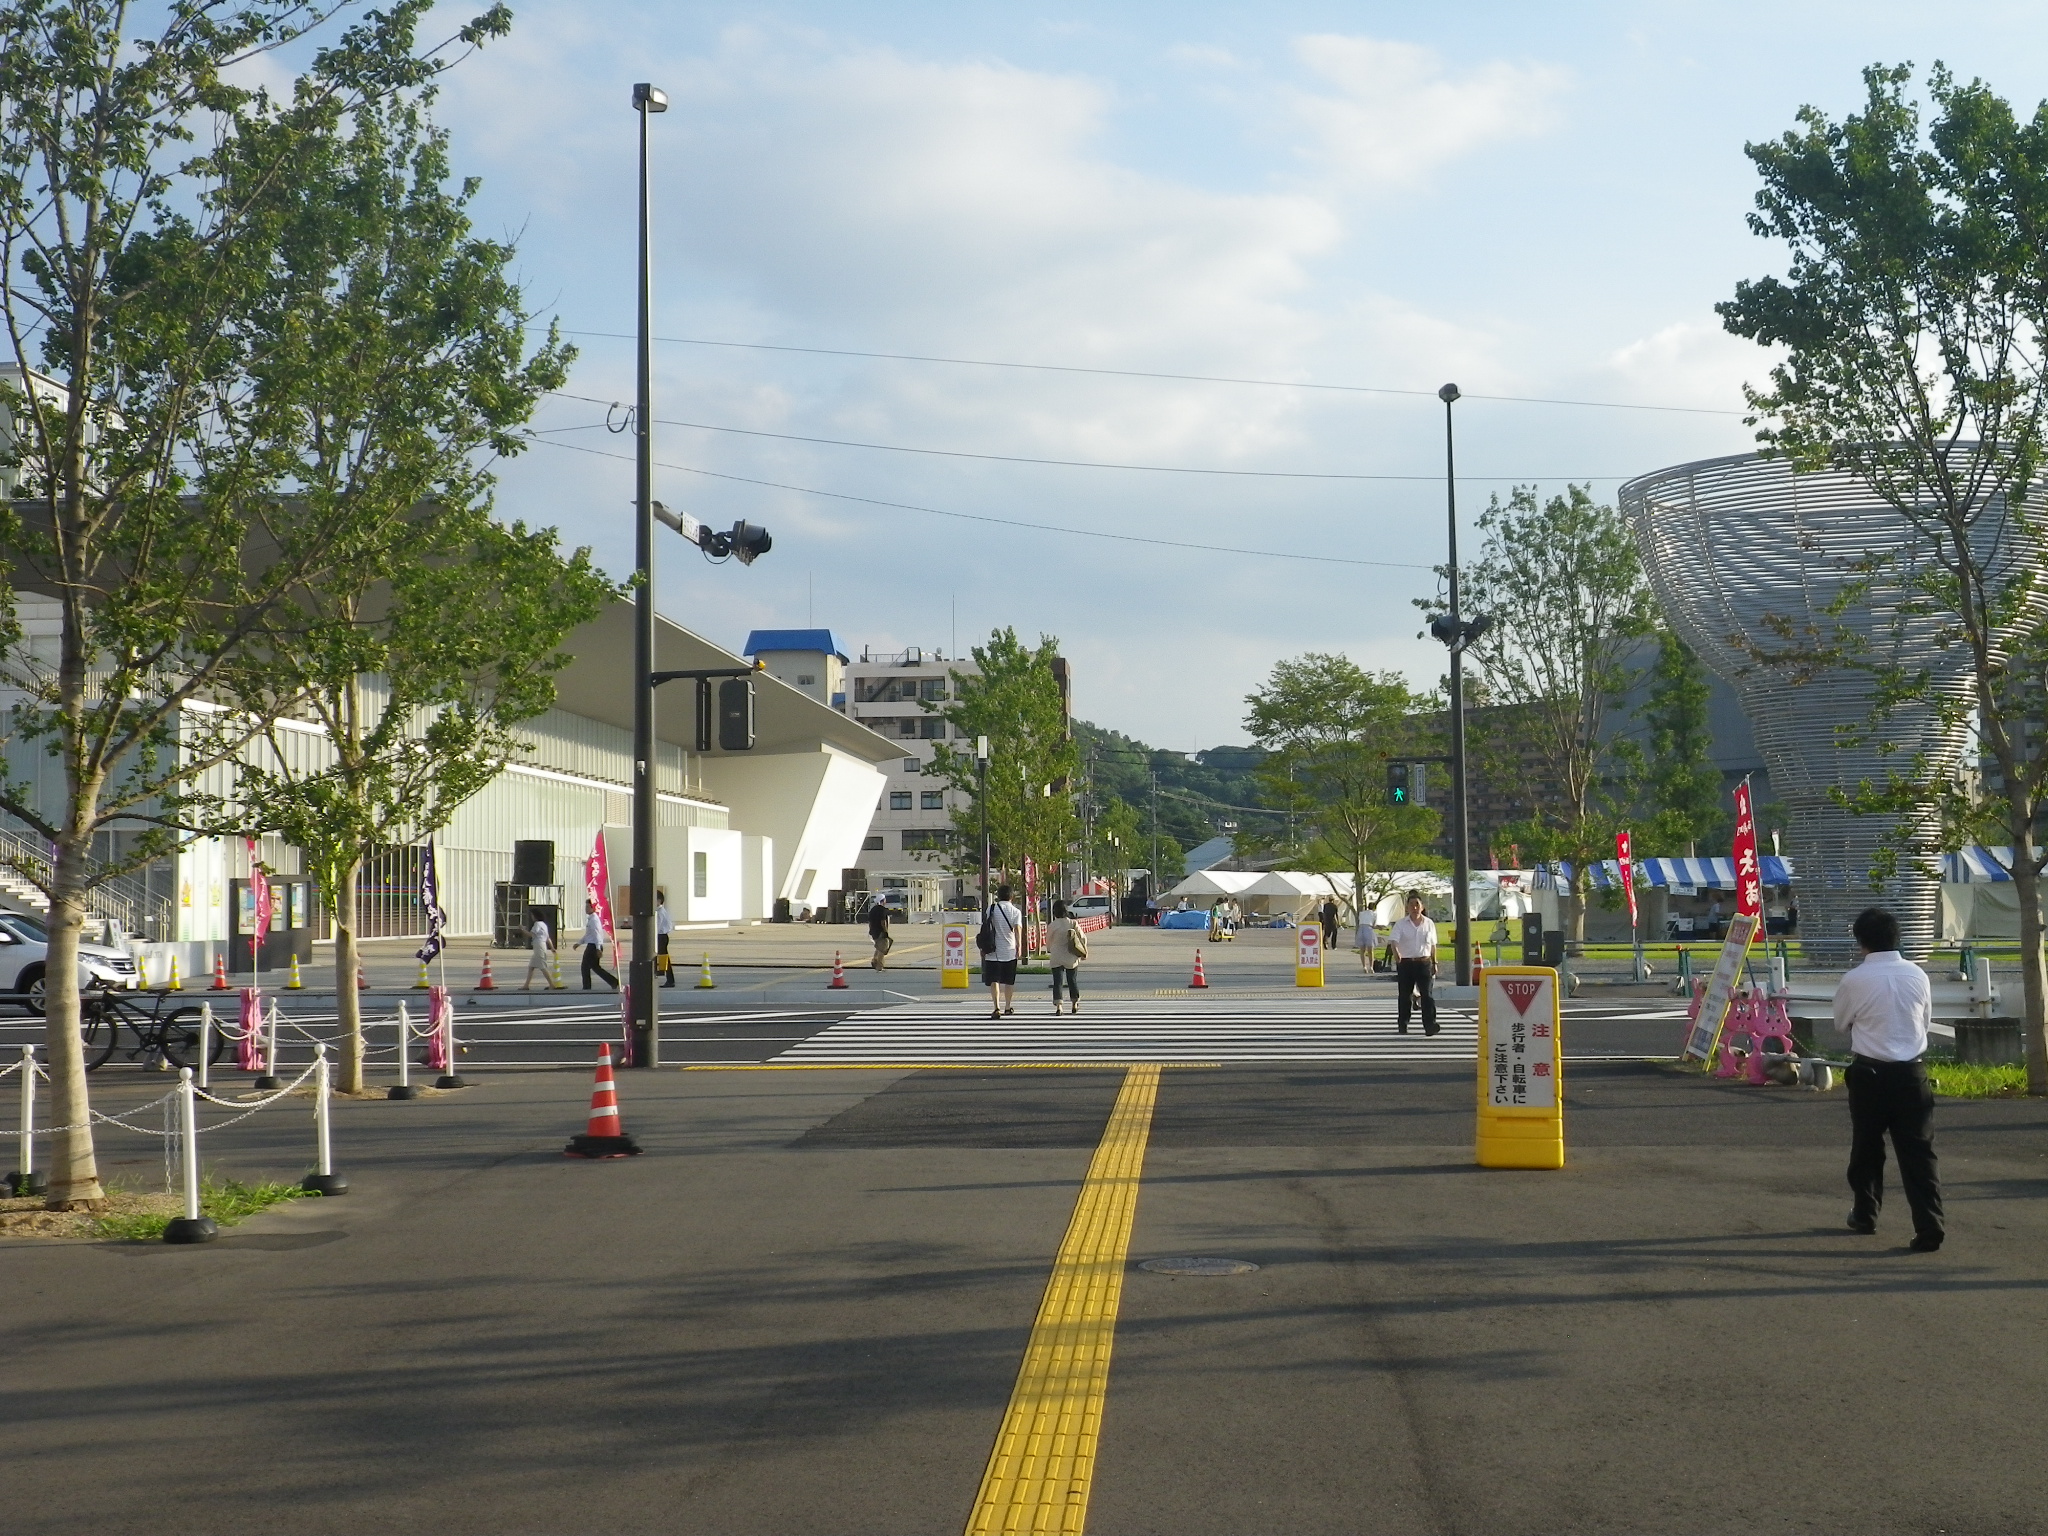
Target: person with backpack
1068 944
878 934
1001 928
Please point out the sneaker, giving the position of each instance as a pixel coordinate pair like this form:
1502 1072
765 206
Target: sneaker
1925 1244
1865 1225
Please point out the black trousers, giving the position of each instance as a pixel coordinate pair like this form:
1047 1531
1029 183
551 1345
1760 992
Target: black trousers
1069 974
668 972
593 960
1893 1098
1411 976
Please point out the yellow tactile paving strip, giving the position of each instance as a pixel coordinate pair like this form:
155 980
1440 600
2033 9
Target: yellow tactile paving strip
1043 1464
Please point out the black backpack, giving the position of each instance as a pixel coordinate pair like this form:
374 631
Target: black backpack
985 939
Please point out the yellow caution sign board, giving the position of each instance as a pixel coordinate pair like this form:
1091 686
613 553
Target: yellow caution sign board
1308 956
1521 1099
953 957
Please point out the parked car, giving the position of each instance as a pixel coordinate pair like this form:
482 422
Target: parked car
1092 906
23 945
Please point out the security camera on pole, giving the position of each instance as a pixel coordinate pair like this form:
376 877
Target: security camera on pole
1456 633
747 542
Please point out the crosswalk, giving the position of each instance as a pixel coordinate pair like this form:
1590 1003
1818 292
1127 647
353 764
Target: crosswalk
1134 1030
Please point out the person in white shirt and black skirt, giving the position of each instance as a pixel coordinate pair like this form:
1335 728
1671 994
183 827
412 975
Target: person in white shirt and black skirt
1884 1006
1414 942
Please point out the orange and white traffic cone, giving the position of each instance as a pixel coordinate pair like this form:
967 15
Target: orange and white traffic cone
838 981
1478 966
605 1136
362 981
1200 980
220 971
484 982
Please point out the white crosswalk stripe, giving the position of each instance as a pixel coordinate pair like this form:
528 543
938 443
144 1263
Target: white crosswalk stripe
964 1035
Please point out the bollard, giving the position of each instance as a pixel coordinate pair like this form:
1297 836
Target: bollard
326 1181
403 1088
1778 987
26 1181
1983 996
205 1043
190 1227
443 1015
269 1080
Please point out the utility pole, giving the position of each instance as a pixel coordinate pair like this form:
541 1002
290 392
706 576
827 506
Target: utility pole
1457 632
1153 876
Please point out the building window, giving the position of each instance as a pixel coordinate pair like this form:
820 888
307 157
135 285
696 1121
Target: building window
899 799
931 800
873 844
807 679
700 874
913 765
933 729
959 733
908 725
926 840
933 690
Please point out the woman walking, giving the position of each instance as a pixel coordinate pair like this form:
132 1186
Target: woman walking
1367 938
1068 945
1000 927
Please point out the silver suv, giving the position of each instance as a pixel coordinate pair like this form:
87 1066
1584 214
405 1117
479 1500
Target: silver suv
24 944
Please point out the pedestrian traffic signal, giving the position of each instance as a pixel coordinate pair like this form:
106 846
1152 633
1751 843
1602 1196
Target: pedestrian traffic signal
735 715
1397 783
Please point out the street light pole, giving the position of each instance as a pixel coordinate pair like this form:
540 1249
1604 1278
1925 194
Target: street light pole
642 997
981 794
1461 852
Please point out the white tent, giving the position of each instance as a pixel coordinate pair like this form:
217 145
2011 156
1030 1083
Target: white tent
1212 885
1297 892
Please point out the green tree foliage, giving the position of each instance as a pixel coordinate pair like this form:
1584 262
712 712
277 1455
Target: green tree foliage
159 496
1197 791
1016 703
400 344
1682 786
1329 729
1565 589
1914 318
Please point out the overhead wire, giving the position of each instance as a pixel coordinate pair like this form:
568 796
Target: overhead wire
1144 373
1006 522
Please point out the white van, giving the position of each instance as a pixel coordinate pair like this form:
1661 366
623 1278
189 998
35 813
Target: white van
1092 906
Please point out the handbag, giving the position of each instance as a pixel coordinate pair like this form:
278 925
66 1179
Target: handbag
1077 942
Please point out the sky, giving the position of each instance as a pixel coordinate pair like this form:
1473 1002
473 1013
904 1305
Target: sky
1541 204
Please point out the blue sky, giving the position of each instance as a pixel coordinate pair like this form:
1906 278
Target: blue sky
1531 201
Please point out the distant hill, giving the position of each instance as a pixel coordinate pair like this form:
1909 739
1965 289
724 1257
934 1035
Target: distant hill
1194 789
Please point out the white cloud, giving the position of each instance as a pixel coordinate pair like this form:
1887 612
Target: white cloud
1692 363
1397 113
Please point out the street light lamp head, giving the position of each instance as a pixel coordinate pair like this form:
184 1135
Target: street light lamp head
1477 625
649 98
1448 393
1445 628
750 541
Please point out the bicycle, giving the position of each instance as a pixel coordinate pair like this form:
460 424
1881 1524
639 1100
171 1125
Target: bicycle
173 1036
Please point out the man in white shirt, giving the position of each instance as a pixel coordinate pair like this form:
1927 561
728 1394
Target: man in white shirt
1414 941
593 947
1884 1006
664 925
999 965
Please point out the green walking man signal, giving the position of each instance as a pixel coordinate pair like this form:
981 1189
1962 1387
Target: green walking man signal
1397 783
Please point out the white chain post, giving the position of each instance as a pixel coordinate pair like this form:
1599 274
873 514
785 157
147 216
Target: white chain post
205 1042
190 1227
269 1080
1983 996
404 1088
325 1181
449 1078
26 1181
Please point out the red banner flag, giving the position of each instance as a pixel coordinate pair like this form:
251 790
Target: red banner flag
1624 853
1749 884
597 883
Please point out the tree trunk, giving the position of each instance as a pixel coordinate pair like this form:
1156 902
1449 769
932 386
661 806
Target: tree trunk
2033 975
347 1002
74 1170
1575 915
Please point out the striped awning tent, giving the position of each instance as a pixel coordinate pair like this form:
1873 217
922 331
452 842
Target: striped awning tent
1713 874
1977 866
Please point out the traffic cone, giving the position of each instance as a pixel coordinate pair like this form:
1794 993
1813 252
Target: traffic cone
704 981
1478 966
422 984
555 969
220 971
1200 980
362 981
838 981
605 1136
175 984
292 982
484 982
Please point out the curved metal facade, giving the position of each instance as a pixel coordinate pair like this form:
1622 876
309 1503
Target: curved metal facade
1743 555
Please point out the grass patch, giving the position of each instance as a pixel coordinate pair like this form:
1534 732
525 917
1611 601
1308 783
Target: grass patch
227 1203
1969 1080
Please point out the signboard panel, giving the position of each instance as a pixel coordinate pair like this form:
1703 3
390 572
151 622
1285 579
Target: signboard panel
953 957
1520 1101
1706 1029
1308 956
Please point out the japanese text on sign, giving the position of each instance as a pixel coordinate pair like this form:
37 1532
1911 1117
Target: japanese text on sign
1520 1048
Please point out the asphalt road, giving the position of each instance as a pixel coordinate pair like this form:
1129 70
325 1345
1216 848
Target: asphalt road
805 1308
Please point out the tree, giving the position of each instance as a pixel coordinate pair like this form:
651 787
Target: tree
1565 590
400 343
1913 315
1015 702
154 506
1330 728
1684 787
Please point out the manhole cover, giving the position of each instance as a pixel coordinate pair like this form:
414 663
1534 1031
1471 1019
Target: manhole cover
1199 1266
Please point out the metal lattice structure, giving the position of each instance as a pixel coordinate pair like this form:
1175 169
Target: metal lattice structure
1745 558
